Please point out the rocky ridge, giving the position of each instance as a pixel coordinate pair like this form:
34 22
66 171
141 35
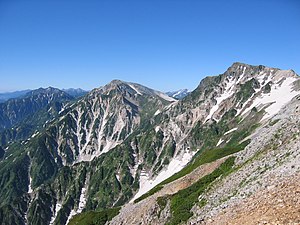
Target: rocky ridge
120 140
269 161
266 80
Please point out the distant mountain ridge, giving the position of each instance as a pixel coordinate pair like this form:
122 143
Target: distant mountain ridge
20 117
180 94
75 92
8 95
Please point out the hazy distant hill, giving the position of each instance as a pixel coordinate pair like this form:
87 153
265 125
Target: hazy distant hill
8 95
75 92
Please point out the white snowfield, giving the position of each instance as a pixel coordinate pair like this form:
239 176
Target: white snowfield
30 190
82 200
282 91
280 95
176 164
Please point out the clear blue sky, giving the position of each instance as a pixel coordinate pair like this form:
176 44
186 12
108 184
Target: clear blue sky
162 44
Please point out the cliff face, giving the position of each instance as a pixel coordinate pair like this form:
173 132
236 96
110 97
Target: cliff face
261 187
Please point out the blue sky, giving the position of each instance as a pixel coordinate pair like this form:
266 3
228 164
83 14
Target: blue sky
166 45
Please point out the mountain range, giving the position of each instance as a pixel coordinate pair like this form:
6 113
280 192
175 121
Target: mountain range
180 94
75 92
127 154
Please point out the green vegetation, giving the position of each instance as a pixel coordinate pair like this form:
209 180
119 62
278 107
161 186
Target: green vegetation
94 218
149 193
183 201
205 157
162 202
247 89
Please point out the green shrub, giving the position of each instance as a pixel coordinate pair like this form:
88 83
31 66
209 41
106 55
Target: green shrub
205 157
183 201
94 218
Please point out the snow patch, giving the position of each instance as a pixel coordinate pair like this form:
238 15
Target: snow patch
177 93
118 177
57 208
171 105
277 98
30 190
233 129
72 213
136 90
62 109
220 142
176 164
165 97
82 199
35 134
157 112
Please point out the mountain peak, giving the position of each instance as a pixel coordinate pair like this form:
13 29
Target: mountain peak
246 71
49 91
125 87
117 82
179 94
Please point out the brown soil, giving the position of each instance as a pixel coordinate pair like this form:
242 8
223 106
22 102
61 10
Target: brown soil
277 204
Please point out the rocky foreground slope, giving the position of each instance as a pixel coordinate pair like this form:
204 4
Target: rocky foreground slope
262 188
265 186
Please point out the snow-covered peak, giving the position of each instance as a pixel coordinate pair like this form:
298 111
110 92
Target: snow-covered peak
180 94
245 86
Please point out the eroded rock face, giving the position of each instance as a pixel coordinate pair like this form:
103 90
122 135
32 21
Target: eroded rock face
119 139
269 171
259 160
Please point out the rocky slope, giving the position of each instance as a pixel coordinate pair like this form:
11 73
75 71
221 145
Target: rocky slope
148 211
216 110
119 141
268 164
